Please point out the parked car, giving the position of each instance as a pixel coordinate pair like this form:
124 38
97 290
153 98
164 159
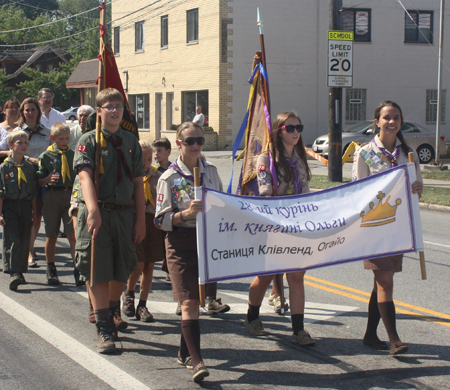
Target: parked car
417 136
71 113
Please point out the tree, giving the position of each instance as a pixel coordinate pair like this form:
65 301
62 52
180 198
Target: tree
5 93
32 8
55 80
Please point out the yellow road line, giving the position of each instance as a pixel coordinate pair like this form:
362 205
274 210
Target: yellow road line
364 293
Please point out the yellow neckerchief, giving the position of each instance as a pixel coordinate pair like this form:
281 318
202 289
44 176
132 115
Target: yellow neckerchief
65 171
20 173
103 145
147 190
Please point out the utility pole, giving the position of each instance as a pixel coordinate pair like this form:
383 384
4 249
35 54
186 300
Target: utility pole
335 109
439 90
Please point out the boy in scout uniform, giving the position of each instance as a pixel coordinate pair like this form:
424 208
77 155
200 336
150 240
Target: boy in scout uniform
17 205
56 173
115 216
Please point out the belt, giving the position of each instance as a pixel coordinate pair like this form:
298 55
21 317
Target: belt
60 188
113 206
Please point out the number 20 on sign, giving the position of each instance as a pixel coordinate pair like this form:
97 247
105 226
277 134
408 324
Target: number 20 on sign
340 59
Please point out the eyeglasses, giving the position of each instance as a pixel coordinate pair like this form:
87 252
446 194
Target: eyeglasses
112 108
189 141
291 128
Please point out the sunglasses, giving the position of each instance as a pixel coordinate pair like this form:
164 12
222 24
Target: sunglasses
189 141
290 128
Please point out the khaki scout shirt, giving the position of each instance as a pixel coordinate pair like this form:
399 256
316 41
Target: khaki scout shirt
39 140
9 186
265 180
153 182
109 191
175 192
50 161
361 169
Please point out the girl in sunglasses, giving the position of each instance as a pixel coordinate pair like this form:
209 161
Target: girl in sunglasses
176 211
293 175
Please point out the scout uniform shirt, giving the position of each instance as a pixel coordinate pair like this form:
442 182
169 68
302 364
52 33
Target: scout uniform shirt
38 140
176 190
150 182
9 180
265 180
52 160
370 159
110 189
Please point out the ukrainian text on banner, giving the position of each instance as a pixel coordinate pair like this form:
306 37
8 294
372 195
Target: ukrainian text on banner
241 236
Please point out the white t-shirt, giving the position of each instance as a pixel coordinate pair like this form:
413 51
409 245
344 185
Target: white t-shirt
53 117
200 119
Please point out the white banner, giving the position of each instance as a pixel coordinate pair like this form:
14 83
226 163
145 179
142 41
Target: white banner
241 236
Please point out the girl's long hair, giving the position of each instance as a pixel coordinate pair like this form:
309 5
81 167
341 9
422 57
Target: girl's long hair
387 103
29 100
280 157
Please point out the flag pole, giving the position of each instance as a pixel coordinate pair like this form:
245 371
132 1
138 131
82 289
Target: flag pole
278 278
201 287
98 126
423 270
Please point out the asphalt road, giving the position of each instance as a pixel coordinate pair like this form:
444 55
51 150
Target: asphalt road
47 341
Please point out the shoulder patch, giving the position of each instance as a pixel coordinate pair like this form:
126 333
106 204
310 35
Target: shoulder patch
81 148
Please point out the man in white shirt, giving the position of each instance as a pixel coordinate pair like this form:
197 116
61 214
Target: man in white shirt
199 118
50 116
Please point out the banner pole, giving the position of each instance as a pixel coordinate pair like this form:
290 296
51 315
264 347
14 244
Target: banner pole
201 287
423 270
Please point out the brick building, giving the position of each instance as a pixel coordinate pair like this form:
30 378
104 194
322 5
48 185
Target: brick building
176 54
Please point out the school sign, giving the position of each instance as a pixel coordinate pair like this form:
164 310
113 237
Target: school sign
240 236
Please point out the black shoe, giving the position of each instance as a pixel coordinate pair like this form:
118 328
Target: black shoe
105 343
52 276
14 281
62 235
78 282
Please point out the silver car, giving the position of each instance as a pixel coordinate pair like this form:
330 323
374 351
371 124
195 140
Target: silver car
71 113
417 136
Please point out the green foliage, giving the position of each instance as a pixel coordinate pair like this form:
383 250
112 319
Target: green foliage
5 94
55 80
32 8
207 128
437 175
174 127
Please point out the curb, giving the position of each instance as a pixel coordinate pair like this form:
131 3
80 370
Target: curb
434 207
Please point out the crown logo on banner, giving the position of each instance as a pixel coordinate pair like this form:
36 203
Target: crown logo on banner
381 214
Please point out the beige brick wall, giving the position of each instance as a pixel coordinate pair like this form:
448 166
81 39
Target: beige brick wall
181 66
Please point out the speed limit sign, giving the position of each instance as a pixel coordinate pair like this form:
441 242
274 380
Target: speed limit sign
340 59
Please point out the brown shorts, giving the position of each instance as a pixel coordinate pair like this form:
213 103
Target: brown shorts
152 248
56 206
182 261
388 263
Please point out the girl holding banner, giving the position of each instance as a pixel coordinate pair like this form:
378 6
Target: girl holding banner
386 150
176 211
293 175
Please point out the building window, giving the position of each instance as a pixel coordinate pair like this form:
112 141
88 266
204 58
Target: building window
139 106
431 105
164 31
116 40
355 105
192 99
420 28
50 67
192 25
358 21
139 36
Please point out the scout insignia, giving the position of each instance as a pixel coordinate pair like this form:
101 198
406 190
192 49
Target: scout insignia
160 197
81 148
11 174
129 151
6 176
261 167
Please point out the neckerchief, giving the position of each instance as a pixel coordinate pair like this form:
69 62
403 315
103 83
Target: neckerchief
65 171
38 130
118 145
21 176
176 167
391 156
297 181
147 190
